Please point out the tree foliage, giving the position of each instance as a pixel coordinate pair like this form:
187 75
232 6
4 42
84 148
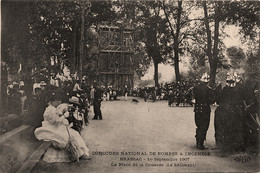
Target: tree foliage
252 67
46 34
236 56
151 29
244 14
49 33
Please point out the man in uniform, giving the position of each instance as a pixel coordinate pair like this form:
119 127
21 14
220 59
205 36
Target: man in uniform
97 103
202 94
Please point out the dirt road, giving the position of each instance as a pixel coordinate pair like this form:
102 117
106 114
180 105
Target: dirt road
150 137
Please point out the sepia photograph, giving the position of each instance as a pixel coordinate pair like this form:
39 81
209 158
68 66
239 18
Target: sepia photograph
129 86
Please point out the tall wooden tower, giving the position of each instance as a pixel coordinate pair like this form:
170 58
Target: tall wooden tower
114 65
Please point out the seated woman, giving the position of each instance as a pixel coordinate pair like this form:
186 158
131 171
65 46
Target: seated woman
67 144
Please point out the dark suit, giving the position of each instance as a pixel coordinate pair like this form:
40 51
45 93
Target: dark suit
97 104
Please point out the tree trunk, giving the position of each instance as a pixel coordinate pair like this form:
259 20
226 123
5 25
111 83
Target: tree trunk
259 41
213 72
214 64
74 45
209 44
176 38
176 66
81 48
176 43
156 73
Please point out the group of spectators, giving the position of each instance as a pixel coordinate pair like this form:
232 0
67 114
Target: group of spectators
30 100
177 93
57 112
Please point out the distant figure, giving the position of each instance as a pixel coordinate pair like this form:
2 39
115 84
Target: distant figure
97 103
145 94
76 87
23 95
92 94
126 92
171 98
154 94
108 94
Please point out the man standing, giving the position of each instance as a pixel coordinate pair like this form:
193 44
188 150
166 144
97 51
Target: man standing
97 103
202 94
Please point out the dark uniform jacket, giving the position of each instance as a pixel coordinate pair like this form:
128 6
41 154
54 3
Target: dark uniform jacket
203 98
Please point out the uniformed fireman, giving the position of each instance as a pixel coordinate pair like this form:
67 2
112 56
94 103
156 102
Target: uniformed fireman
203 98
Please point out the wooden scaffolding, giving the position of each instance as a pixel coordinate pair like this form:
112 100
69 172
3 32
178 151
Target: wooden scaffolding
115 65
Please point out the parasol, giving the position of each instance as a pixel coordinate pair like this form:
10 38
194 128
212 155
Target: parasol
72 147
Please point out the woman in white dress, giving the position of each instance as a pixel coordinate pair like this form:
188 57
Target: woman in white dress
55 128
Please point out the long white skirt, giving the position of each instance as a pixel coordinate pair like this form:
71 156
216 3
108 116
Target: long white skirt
60 139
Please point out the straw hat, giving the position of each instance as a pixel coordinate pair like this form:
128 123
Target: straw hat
74 100
42 83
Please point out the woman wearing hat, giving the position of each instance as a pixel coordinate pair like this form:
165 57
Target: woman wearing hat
229 117
55 129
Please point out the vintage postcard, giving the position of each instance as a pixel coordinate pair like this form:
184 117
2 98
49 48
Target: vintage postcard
129 86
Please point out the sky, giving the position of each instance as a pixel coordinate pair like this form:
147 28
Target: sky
167 71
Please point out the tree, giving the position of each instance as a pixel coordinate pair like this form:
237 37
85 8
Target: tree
151 27
244 14
205 40
212 50
84 11
211 43
61 30
177 20
15 34
130 14
141 60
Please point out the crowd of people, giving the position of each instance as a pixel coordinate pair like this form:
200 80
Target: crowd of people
177 93
59 113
